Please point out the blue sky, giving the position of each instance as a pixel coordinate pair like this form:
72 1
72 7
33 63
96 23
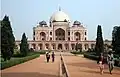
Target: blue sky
25 14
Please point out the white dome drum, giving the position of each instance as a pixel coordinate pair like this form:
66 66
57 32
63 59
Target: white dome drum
59 16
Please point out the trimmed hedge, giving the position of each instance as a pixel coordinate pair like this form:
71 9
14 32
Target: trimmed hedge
17 55
93 57
2 60
75 52
15 61
41 52
29 54
117 62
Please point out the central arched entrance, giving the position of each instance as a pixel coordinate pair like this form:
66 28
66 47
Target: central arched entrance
60 46
60 34
77 36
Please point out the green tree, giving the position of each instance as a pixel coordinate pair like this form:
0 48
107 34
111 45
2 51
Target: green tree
99 47
24 45
113 37
7 39
116 39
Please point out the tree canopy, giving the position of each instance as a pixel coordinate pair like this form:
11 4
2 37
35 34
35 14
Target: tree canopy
7 39
116 39
99 41
24 45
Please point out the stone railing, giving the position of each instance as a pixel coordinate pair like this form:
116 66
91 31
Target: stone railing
63 68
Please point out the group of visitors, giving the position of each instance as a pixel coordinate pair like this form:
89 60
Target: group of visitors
110 61
48 56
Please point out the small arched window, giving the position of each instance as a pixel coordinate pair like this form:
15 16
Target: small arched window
50 33
85 33
68 33
34 33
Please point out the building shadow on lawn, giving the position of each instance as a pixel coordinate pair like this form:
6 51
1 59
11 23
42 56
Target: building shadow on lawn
26 74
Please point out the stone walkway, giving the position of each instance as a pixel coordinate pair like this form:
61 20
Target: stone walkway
34 68
78 66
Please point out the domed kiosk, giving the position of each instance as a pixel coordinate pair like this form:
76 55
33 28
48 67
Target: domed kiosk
43 23
76 23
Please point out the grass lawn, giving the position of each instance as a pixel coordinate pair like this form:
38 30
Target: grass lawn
17 60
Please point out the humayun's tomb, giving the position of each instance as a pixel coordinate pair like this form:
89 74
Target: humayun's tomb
60 34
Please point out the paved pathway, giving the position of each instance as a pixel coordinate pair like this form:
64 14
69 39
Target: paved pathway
78 66
34 68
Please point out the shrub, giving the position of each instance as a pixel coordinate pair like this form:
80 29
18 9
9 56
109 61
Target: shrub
77 52
117 59
15 61
17 55
117 62
116 55
42 52
29 54
93 57
1 59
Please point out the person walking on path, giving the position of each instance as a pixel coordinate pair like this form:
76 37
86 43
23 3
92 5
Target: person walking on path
47 57
101 63
53 56
110 60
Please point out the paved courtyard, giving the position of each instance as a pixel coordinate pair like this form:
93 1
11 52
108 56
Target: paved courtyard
77 66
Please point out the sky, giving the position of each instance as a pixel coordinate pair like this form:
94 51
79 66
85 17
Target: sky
26 14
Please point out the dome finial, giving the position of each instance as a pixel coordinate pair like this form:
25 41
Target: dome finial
59 8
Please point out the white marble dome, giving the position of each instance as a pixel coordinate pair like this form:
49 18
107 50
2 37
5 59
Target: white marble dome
59 16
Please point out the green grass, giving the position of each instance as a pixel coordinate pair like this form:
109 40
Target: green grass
18 60
30 53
